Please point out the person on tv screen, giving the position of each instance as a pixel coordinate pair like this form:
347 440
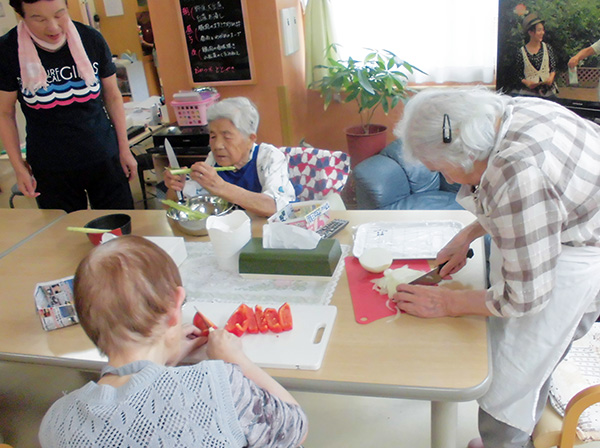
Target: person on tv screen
536 64
586 53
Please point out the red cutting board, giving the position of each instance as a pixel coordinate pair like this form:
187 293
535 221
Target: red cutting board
368 304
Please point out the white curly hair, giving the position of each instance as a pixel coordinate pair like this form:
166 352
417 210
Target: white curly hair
473 115
239 110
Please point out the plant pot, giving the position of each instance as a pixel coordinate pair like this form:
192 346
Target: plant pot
361 145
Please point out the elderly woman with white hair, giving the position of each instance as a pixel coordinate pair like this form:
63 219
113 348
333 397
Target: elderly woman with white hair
529 172
260 181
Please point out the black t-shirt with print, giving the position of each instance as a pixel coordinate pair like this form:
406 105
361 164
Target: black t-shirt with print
67 125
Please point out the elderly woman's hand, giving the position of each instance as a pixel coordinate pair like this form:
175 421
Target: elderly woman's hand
423 301
174 181
207 177
454 253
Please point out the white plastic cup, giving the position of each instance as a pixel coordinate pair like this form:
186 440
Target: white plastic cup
228 235
573 76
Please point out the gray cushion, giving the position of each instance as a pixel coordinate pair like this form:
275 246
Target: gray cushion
419 177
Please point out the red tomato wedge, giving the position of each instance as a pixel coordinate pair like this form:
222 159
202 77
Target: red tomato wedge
240 320
263 327
285 317
252 323
272 318
203 323
246 320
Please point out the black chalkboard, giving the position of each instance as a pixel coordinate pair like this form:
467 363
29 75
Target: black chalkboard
216 39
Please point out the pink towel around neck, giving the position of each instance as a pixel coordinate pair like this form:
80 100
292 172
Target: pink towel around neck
33 74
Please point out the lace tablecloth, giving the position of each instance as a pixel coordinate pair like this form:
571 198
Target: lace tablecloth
204 281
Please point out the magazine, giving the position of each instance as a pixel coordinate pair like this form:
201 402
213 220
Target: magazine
54 303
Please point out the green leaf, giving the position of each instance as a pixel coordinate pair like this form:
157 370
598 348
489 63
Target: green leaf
363 79
352 94
327 98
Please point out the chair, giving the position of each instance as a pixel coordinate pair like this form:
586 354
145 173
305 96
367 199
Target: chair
316 173
14 191
575 387
144 163
552 430
386 181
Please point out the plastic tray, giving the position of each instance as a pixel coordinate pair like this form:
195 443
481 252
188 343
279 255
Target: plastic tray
405 240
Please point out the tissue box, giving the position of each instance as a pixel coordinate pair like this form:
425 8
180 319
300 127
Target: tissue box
311 215
173 245
318 262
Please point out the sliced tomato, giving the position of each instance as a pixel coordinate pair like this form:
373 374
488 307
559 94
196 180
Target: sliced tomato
240 321
263 327
285 317
203 323
251 318
272 318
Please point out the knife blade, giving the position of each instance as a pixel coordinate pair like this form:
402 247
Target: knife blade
173 163
433 277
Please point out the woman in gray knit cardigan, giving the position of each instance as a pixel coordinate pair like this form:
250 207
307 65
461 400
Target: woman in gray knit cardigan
128 296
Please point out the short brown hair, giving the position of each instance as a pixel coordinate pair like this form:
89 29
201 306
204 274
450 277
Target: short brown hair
123 291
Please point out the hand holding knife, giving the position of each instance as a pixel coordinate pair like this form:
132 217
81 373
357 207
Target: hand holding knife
433 277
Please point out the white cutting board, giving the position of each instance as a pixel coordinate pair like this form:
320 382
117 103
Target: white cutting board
303 347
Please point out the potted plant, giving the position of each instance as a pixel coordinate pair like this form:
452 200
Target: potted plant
378 80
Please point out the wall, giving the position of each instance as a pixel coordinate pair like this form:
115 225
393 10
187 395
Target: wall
121 34
265 46
289 112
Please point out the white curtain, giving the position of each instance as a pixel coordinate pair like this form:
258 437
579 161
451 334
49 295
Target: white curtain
451 40
319 36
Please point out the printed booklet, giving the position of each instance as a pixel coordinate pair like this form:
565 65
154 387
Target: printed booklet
54 303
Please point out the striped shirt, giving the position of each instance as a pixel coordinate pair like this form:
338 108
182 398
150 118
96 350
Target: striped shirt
541 190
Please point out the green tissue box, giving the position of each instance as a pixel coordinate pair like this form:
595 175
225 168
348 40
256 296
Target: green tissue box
318 262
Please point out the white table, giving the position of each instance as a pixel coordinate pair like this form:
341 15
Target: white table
16 226
444 360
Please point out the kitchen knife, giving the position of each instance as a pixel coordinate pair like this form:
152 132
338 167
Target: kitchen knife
173 163
433 277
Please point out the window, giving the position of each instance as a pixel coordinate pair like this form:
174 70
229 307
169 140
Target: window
451 40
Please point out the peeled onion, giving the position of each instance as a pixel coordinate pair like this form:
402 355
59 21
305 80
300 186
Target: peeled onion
376 259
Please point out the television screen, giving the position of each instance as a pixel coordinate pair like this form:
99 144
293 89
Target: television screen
560 30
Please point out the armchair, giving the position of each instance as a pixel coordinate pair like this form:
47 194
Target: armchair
387 181
316 173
